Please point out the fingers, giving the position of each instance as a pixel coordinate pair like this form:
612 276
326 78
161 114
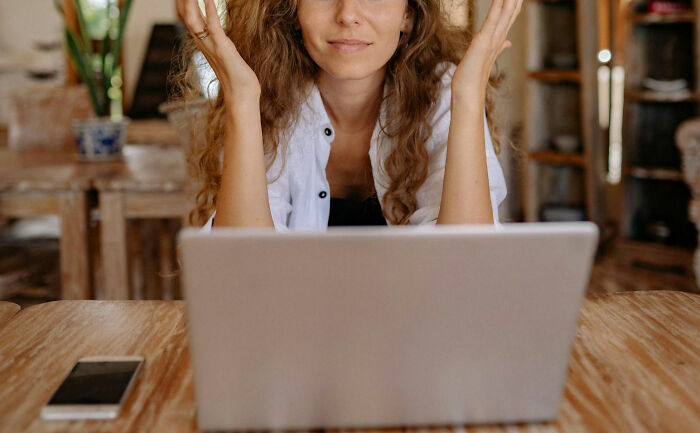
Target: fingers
493 17
196 24
203 29
192 16
510 12
506 44
212 19
500 18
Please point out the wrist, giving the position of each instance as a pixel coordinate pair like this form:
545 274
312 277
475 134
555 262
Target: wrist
240 104
470 78
241 95
467 100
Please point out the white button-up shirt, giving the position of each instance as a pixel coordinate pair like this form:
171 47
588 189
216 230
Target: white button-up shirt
300 195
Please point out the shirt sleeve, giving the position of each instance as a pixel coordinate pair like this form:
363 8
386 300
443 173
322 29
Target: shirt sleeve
430 193
278 190
279 197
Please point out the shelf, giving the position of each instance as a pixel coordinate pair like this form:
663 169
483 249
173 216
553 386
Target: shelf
670 18
556 75
653 173
654 96
558 158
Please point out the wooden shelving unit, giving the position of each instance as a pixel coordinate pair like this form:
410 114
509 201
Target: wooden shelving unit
562 136
655 228
558 158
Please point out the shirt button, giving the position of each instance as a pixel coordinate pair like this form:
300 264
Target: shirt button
322 194
328 132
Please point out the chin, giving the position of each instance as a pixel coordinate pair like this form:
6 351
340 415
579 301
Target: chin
351 69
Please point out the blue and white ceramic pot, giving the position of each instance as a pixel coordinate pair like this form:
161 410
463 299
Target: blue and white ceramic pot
100 139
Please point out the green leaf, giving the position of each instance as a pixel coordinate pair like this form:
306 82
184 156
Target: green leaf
82 26
83 65
117 46
106 75
104 52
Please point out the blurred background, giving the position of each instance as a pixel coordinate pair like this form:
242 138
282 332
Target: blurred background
596 106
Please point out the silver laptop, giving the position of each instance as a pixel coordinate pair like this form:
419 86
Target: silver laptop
383 327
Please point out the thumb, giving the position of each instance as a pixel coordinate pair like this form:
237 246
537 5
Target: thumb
506 44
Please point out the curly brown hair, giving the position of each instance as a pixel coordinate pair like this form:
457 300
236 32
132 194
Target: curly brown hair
412 77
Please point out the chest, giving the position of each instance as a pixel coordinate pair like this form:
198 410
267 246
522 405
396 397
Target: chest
349 169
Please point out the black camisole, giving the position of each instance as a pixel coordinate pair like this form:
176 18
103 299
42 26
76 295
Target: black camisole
348 212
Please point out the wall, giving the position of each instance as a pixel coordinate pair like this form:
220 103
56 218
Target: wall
23 23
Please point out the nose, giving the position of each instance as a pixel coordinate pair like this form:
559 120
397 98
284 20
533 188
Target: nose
348 12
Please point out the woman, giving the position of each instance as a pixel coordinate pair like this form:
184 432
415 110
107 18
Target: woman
349 112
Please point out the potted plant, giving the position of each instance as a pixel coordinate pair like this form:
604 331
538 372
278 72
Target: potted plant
102 137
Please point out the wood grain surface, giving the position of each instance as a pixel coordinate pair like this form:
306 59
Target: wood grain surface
39 347
635 366
7 311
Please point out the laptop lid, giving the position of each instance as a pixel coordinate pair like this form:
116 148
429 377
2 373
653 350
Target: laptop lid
378 327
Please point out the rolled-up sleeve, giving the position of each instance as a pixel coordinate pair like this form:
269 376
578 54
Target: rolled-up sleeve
278 190
430 193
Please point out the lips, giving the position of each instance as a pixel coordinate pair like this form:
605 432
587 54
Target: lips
349 45
349 42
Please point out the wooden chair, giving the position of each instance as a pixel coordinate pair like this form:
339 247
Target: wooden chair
688 140
40 119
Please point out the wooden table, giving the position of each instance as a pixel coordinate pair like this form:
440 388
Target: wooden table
7 310
150 183
53 183
635 365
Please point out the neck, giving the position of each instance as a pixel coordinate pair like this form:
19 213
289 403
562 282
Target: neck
352 105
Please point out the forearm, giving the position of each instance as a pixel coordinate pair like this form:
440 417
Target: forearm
465 191
242 199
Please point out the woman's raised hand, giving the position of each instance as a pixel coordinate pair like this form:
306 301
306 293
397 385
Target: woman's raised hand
237 80
472 74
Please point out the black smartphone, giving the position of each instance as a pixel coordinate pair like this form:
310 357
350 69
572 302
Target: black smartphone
96 388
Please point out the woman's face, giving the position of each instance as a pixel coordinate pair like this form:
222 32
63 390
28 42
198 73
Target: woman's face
352 39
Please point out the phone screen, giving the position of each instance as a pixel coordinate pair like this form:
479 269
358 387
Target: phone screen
95 382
